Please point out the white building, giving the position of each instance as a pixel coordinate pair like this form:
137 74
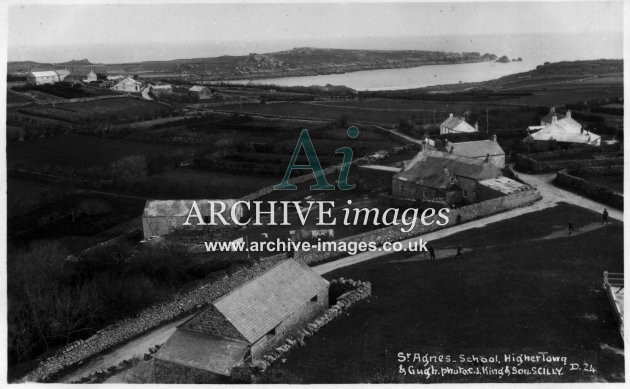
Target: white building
43 77
565 130
128 85
456 124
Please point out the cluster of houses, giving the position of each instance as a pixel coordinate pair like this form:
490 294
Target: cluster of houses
117 82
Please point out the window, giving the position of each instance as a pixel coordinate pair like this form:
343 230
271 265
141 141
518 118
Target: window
314 299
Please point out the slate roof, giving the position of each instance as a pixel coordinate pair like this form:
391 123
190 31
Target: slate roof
452 122
476 149
259 305
504 185
427 169
203 351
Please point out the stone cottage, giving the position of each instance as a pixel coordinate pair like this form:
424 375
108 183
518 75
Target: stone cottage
440 176
242 325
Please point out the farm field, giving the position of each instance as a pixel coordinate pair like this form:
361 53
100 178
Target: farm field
188 184
538 290
124 109
82 150
328 112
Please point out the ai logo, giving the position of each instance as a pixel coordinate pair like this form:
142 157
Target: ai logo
304 142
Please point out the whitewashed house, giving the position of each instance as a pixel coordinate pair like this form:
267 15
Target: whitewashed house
457 124
42 77
129 85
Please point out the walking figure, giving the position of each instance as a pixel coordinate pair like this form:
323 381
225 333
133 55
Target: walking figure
605 216
459 251
570 228
431 252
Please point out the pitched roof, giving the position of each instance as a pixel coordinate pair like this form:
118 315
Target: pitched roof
458 124
197 88
63 72
128 81
476 149
45 73
427 168
203 351
212 322
504 185
565 130
452 122
259 305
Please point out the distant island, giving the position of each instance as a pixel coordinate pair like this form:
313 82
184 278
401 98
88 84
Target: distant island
305 61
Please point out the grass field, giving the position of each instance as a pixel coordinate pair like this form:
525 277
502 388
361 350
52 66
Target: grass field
81 150
523 286
185 183
128 108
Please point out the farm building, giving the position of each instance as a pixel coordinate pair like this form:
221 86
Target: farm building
161 217
565 131
162 88
201 92
81 76
440 176
242 325
129 85
500 186
62 73
42 77
456 124
479 149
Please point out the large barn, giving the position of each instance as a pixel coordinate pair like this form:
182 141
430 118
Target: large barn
42 77
242 325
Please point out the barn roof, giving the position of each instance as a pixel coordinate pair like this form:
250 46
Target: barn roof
203 351
427 168
259 305
475 149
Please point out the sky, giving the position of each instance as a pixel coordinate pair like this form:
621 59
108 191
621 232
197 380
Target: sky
35 27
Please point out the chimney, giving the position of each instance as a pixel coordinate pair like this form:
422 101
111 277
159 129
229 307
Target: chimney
476 126
554 118
552 110
494 138
568 113
451 115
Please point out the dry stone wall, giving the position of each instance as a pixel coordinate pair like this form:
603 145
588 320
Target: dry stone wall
394 233
590 189
148 319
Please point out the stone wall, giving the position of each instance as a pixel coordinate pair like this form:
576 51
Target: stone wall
590 189
357 291
529 163
394 233
148 319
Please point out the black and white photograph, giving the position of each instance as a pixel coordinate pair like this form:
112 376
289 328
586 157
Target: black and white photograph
312 192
